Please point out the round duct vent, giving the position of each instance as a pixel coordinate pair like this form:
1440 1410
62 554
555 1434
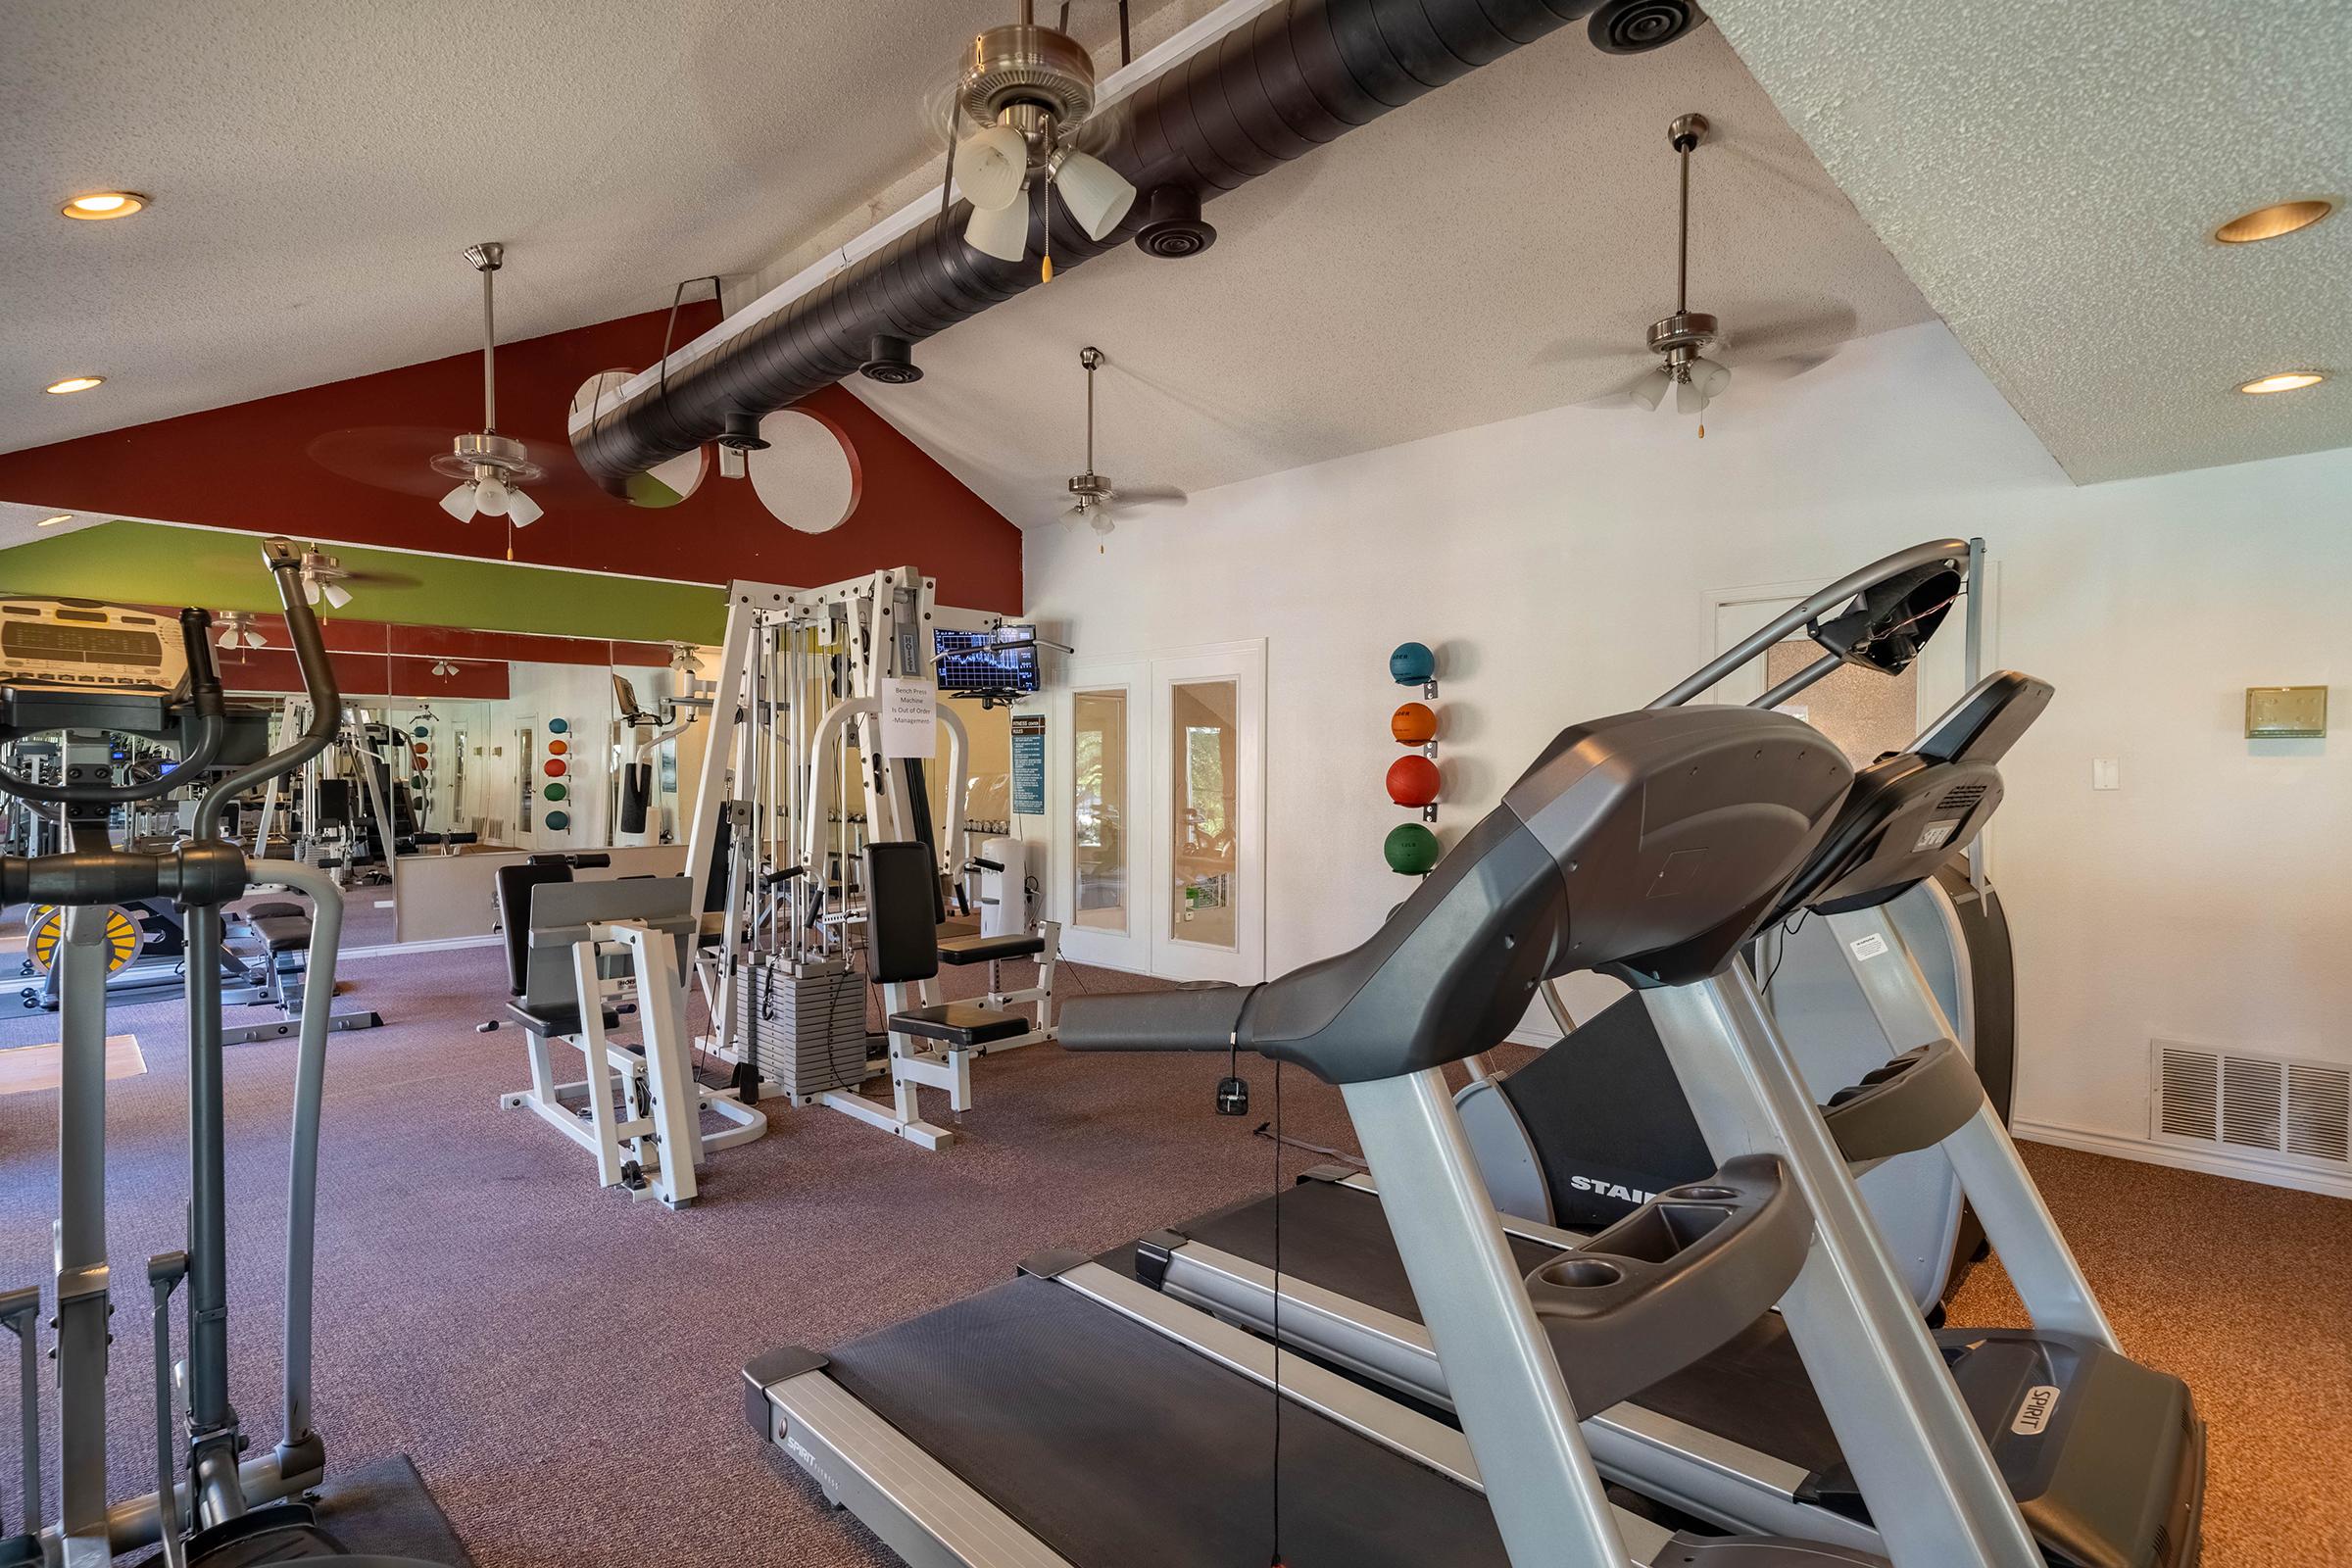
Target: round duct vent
1175 228
890 361
1633 26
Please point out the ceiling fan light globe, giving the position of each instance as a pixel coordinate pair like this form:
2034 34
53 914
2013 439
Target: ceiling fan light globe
1001 232
1711 377
491 495
460 502
521 510
1651 390
1689 397
992 166
336 596
1096 194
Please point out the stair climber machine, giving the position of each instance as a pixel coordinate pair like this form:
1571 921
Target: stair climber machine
1839 1417
1075 1415
76 667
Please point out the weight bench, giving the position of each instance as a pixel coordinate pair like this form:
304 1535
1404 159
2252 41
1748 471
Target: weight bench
280 934
1043 944
931 1043
573 950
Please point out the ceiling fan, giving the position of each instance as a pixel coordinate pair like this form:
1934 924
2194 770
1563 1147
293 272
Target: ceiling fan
326 580
490 467
1686 351
237 633
1028 88
322 579
1096 499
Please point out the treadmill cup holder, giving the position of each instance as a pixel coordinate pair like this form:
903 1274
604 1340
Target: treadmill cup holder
1673 1281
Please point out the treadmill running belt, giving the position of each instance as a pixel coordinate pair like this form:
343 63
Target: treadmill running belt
1753 1391
1120 1448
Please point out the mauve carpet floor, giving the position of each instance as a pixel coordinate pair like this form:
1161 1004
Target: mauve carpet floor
563 1364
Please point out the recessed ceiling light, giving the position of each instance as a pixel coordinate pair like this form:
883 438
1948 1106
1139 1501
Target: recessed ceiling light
51 522
104 203
74 383
2269 222
2284 382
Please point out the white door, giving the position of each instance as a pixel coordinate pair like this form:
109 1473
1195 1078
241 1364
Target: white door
1101 828
1207 905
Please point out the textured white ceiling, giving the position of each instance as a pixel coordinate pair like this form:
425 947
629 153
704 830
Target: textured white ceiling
1494 249
318 167
2049 177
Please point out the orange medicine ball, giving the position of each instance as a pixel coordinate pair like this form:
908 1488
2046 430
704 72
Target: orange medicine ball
557 748
1413 724
1412 780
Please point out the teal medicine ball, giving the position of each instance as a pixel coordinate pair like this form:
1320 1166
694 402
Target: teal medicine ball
1412 664
1411 849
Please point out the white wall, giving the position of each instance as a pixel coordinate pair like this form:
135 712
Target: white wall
1562 564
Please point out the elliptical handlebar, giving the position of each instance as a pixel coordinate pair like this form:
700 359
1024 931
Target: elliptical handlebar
1950 555
317 680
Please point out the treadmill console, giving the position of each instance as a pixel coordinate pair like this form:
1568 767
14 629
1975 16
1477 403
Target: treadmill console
69 663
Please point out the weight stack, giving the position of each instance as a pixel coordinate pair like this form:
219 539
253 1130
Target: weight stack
803 1029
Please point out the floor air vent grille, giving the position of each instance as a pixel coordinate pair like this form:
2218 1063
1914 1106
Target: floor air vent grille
2299 1111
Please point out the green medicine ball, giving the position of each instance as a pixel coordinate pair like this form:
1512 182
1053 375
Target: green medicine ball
554 792
1411 849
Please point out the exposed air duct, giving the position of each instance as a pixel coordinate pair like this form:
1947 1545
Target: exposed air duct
1299 74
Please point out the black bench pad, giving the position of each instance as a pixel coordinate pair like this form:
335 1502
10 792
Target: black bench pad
555 1020
987 949
282 933
959 1023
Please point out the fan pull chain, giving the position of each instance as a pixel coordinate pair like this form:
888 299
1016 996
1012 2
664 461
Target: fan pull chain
1044 271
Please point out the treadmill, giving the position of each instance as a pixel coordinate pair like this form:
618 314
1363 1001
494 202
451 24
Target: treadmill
2104 1456
1073 1416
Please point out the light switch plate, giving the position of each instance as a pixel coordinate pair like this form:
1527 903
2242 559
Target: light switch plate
2287 712
2106 774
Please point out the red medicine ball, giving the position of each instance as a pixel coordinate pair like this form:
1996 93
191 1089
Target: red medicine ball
1412 780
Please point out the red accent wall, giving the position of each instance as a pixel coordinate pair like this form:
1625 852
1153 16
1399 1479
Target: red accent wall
320 463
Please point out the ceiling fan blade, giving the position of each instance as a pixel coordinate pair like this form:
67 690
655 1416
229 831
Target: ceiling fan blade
1818 330
1150 495
1784 367
1588 350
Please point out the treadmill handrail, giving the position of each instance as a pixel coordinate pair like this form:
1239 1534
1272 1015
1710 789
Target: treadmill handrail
1950 551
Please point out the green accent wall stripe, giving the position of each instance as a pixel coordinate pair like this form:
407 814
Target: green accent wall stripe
145 563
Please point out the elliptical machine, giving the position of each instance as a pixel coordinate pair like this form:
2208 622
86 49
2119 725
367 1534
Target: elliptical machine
129 671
